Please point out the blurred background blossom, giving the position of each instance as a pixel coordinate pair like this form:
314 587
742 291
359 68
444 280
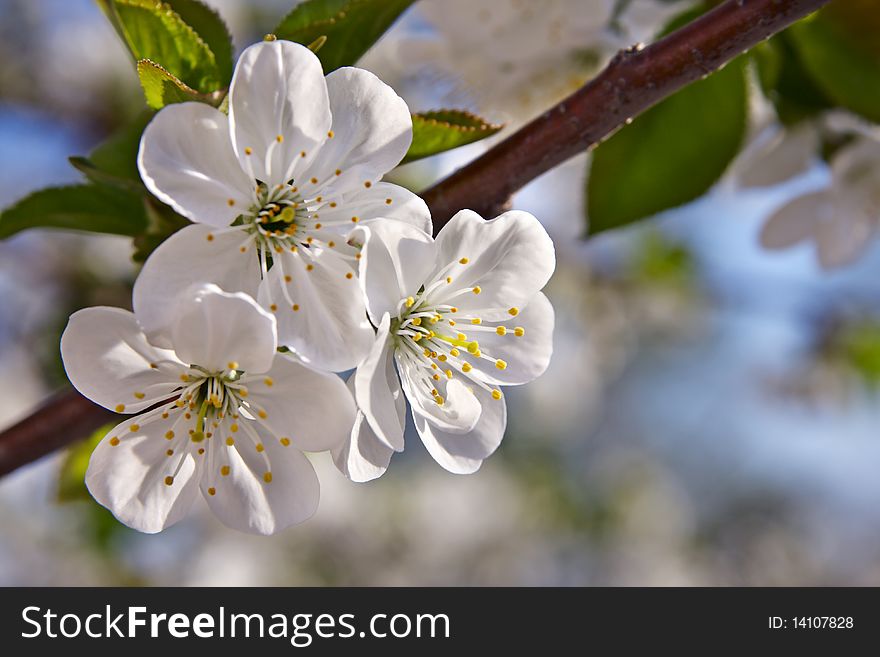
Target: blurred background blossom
710 416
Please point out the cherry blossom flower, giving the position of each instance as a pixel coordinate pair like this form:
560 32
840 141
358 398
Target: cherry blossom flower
220 411
274 188
456 319
842 218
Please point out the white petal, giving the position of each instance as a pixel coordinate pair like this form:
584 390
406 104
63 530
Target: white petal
464 453
363 456
108 359
395 261
192 255
460 410
843 238
795 221
372 130
244 500
214 328
313 409
380 201
186 160
328 328
378 392
278 90
778 156
526 357
509 258
129 478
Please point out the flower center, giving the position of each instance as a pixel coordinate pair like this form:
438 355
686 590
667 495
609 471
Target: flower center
441 341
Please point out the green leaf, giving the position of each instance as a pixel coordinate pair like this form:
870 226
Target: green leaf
351 27
153 30
840 50
161 88
72 474
100 209
162 223
671 154
442 130
114 161
210 27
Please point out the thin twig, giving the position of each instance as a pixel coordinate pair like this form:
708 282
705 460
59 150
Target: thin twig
635 80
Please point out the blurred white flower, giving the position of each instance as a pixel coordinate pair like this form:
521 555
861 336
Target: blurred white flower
840 219
219 411
519 57
444 311
275 187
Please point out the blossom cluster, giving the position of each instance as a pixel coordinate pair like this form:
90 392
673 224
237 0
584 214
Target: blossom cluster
301 264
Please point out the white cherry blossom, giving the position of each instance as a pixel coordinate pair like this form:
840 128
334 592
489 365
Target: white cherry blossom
219 411
456 318
274 188
842 218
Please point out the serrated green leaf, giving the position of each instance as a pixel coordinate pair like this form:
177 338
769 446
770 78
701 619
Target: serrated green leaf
210 27
99 209
442 130
71 485
153 30
351 27
161 88
840 50
671 154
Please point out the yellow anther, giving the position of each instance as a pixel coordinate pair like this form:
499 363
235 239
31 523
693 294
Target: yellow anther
519 331
319 224
338 172
267 477
454 352
135 428
349 275
514 311
473 347
331 244
230 441
169 452
119 408
314 181
139 395
466 367
295 307
165 415
248 150
184 378
500 364
354 220
169 480
477 289
418 336
279 138
230 202
224 470
260 447
417 321
233 365
448 374
310 267
209 237
212 491
332 204
302 153
410 302
453 309
496 394
285 442
476 320
462 336
330 134
442 358
262 414
288 278
169 435
436 377
439 400
273 308
448 279
501 330
477 353
114 441
389 201
463 261
153 366
233 428
367 184
242 249
268 381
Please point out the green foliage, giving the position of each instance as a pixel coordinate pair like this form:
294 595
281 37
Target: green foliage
860 348
116 157
442 130
210 27
161 88
786 82
71 475
351 27
671 154
840 50
90 207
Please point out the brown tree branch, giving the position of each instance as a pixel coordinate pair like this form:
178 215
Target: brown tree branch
633 81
